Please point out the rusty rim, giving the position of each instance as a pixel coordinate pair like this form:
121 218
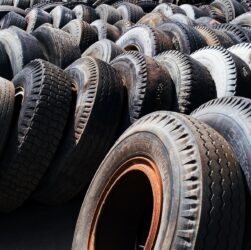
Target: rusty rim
142 166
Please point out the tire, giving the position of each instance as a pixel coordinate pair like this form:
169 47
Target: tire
146 40
147 83
20 47
173 173
104 50
209 35
192 11
183 19
99 88
38 129
168 9
61 16
82 32
207 21
130 12
243 20
4 9
85 13
22 4
243 51
108 13
186 38
227 7
7 96
123 26
106 30
235 32
246 4
35 18
225 40
153 19
230 74
59 47
186 73
13 19
6 2
5 65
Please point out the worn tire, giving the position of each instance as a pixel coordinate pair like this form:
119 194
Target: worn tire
108 13
183 19
209 35
186 74
153 19
4 9
90 133
20 47
13 19
37 130
192 11
35 18
182 172
207 21
123 26
230 74
145 39
130 12
85 13
59 47
84 34
22 4
168 9
61 16
147 84
186 38
104 50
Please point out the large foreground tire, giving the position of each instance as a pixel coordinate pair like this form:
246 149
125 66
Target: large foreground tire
59 47
90 132
169 182
43 94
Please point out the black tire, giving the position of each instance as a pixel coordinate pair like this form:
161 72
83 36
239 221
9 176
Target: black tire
130 12
243 51
207 21
20 47
59 47
194 180
147 84
246 4
6 2
225 40
230 74
153 19
183 19
7 96
90 134
186 38
35 18
84 34
22 4
108 13
13 19
215 13
169 9
5 65
106 30
243 20
186 73
85 13
209 35
4 9
44 94
47 6
104 50
227 7
61 16
146 40
234 31
123 26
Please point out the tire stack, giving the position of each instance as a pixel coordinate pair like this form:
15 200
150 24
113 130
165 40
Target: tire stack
145 103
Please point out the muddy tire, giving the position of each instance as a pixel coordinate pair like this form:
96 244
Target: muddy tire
20 47
209 35
85 13
146 40
91 131
153 19
147 83
163 172
35 18
108 13
130 12
168 9
61 16
230 74
186 74
59 47
104 50
82 32
13 19
186 38
37 130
